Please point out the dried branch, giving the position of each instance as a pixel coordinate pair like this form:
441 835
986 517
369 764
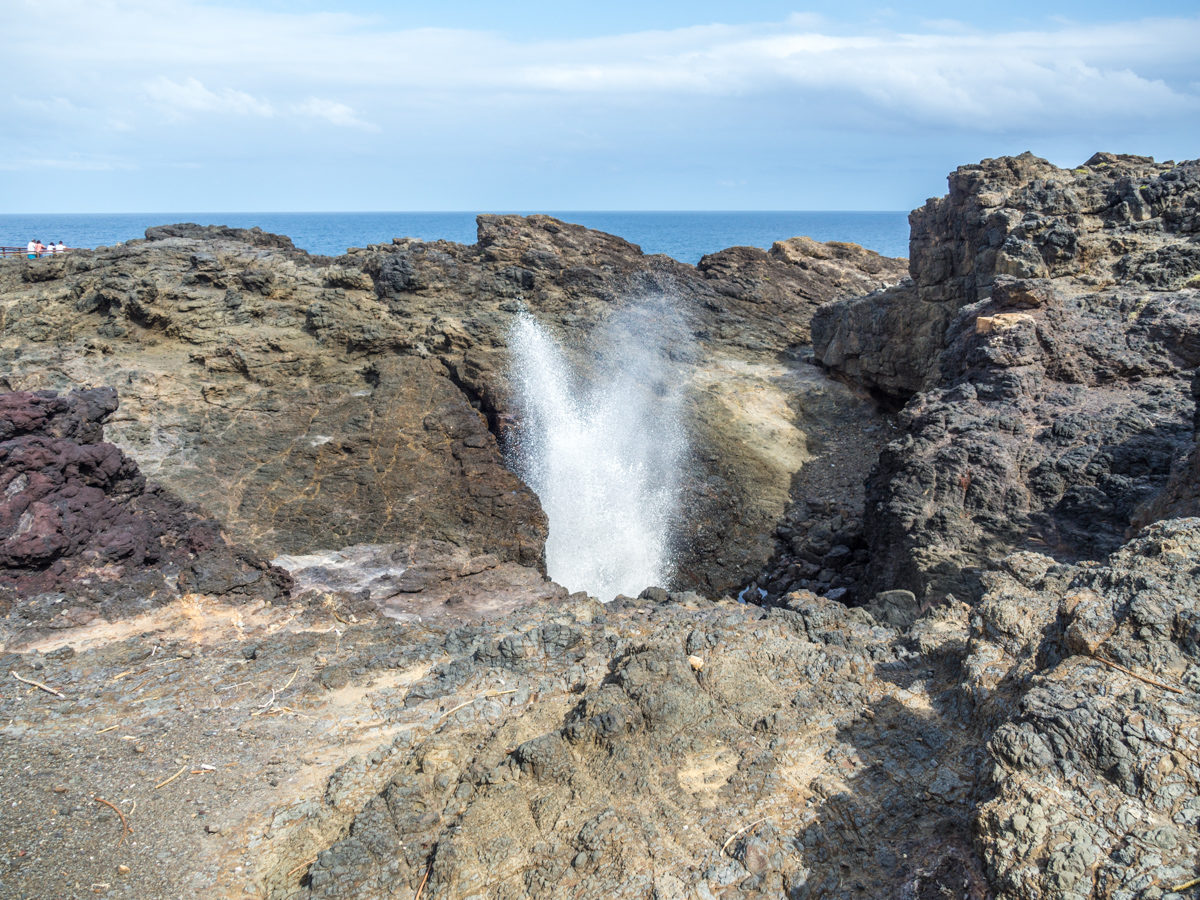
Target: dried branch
466 703
1132 674
172 778
124 822
38 684
744 828
296 868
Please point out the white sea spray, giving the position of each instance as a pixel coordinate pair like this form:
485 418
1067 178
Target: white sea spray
604 450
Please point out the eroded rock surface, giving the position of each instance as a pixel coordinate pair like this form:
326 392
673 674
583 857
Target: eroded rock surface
808 752
82 534
1045 347
1039 744
426 714
314 403
1095 788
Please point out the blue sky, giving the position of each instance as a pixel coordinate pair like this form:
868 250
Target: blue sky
189 105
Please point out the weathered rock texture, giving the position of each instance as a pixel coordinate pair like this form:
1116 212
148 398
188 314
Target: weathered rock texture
313 403
1040 744
1181 496
429 717
81 532
1094 789
1044 347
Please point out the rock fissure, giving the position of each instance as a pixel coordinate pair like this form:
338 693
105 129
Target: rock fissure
996 695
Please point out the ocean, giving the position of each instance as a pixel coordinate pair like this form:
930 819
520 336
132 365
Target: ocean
686 236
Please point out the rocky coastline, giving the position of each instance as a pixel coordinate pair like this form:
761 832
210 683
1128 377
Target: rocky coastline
275 621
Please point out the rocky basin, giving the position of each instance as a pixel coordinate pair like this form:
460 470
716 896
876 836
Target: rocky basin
275 618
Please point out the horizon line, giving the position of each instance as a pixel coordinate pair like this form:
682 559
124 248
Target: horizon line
409 212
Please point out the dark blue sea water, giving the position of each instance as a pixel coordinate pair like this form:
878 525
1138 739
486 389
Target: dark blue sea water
686 236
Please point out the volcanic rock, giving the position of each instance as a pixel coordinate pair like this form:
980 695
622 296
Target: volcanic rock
312 404
427 715
81 532
1044 349
1094 790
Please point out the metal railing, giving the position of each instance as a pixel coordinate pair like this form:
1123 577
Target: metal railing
24 251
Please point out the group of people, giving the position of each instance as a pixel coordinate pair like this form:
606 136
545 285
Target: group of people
37 248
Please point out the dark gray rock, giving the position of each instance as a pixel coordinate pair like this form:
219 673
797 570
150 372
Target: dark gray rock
1044 352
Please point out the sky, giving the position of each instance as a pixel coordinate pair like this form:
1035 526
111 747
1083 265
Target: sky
315 105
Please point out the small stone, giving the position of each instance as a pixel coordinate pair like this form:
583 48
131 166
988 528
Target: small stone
185 654
696 663
60 789
139 748
654 595
212 828
123 869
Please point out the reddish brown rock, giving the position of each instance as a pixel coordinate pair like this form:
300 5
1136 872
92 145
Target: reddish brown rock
77 517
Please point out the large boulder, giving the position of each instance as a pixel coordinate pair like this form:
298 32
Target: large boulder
1092 673
1044 350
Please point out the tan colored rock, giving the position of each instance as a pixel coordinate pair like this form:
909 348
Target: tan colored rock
314 404
1001 322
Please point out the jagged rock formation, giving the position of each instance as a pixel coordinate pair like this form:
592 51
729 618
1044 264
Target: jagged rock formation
1181 496
83 535
426 715
1046 341
1092 671
812 753
312 404
1038 745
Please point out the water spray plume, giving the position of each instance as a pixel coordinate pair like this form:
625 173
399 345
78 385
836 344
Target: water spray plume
603 455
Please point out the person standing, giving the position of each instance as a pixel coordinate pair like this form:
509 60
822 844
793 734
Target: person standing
31 249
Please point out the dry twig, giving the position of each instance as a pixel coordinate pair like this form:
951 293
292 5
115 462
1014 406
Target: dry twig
1132 674
38 684
421 886
1185 885
296 868
160 662
466 703
124 822
172 778
290 680
744 828
279 710
266 707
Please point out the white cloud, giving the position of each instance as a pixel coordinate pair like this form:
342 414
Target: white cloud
191 57
965 80
114 68
333 112
190 95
